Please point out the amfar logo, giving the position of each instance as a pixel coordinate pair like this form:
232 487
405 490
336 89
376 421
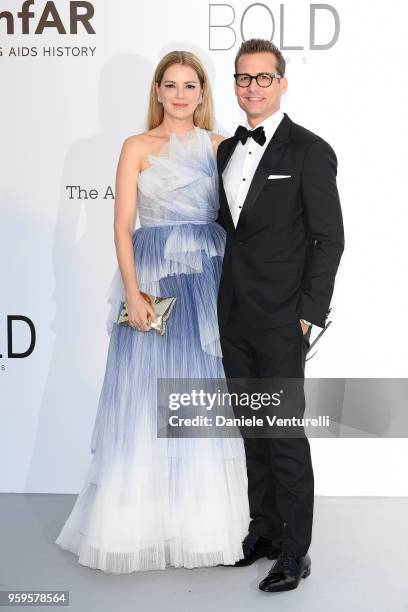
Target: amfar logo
10 353
79 12
223 25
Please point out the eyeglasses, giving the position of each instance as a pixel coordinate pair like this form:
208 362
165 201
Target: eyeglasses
264 79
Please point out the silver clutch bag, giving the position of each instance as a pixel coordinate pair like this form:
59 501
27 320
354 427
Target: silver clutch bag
162 307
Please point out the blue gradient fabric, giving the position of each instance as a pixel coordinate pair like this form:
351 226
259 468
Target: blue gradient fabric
149 502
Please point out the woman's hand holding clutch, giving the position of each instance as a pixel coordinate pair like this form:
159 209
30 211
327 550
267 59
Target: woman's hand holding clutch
140 312
154 314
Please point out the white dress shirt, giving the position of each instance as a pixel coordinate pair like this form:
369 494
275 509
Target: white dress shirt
239 171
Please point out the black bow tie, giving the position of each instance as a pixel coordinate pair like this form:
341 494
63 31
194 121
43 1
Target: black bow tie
241 133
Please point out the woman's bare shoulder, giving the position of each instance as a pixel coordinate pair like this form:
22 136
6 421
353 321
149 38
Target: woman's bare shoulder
216 139
138 146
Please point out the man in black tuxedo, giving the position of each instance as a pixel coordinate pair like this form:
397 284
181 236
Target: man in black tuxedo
280 207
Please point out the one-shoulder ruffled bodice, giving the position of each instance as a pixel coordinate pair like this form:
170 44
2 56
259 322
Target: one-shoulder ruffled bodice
180 185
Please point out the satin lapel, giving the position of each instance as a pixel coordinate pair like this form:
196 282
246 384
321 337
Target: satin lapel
269 160
223 158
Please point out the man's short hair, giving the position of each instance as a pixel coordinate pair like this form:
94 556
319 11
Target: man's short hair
261 45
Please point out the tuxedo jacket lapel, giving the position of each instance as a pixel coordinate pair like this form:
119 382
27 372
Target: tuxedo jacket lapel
268 163
222 160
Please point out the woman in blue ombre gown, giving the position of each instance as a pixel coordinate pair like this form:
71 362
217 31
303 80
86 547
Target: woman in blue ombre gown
148 502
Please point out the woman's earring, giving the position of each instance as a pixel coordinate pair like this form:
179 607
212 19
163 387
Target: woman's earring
159 99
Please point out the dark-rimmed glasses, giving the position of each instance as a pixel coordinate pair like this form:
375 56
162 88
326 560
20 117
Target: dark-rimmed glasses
264 79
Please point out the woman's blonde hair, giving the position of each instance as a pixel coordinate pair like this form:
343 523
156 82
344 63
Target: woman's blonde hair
204 113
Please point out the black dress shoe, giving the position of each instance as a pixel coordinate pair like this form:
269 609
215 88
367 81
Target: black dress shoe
286 573
254 547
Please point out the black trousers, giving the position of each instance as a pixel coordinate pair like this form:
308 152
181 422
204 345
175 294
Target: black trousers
280 473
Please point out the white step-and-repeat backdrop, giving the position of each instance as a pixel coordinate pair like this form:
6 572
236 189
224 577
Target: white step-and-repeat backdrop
74 84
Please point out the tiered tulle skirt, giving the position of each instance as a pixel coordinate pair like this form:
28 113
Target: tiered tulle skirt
146 501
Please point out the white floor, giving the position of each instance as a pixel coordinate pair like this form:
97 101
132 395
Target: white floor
359 564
